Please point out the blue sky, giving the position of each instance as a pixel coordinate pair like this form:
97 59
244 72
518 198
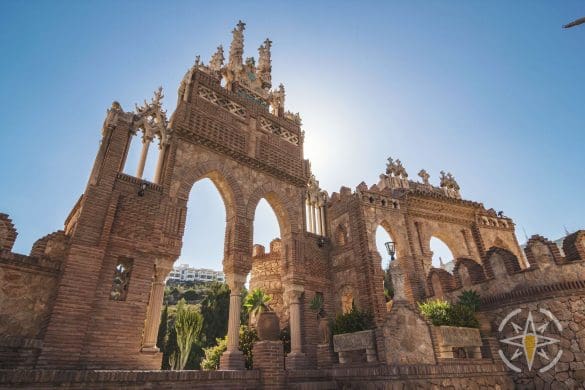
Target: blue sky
492 91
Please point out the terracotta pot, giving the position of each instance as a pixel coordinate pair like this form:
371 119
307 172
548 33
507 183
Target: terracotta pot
268 326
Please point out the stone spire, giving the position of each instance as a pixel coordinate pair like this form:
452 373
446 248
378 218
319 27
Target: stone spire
265 64
237 47
217 60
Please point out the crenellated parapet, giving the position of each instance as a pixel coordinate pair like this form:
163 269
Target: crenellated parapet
502 277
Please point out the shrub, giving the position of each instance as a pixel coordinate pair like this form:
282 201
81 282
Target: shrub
436 311
470 299
213 354
442 313
248 337
353 321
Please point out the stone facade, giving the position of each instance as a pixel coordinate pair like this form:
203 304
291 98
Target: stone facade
121 238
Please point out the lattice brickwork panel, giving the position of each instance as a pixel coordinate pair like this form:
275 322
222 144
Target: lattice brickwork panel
226 104
273 128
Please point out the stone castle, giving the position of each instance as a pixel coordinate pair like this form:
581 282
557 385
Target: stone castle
82 310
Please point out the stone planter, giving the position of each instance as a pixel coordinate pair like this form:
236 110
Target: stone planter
347 342
268 326
453 340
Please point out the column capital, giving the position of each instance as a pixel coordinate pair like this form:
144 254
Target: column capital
294 292
162 267
235 282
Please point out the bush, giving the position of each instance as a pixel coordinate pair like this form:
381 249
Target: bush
436 311
470 299
464 316
248 337
442 313
352 321
212 355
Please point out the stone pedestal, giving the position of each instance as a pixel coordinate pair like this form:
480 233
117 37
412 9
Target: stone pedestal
296 361
269 360
232 360
325 356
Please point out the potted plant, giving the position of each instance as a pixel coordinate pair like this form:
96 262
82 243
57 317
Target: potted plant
265 319
316 305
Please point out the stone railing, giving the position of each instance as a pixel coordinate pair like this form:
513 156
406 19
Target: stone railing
357 341
453 341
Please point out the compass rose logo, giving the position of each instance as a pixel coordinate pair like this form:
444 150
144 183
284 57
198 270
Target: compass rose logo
529 340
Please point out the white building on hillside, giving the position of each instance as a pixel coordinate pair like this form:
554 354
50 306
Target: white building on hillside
185 273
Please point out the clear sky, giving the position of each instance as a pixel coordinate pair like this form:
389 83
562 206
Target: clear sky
493 91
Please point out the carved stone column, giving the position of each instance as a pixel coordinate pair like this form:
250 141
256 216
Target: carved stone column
161 270
159 163
233 358
310 215
296 358
142 162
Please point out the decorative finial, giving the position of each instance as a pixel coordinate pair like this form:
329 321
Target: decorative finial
237 47
217 59
424 176
265 64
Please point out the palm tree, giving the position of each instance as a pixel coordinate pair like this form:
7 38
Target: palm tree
256 302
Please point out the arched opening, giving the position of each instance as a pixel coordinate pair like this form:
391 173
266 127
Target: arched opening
197 279
267 253
141 160
442 256
384 244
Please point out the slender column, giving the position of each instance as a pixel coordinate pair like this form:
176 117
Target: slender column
159 163
143 154
161 270
322 211
311 226
317 221
296 358
295 322
313 219
232 358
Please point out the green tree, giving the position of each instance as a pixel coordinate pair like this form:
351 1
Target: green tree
215 312
188 324
162 331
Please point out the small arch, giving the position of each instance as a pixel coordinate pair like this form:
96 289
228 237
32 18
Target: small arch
439 277
280 203
442 254
468 272
501 261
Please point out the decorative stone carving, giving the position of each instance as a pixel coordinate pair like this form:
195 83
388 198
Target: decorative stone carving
424 176
265 64
217 60
237 48
121 279
276 99
396 175
152 119
449 185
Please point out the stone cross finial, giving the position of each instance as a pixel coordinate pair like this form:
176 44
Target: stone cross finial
424 176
